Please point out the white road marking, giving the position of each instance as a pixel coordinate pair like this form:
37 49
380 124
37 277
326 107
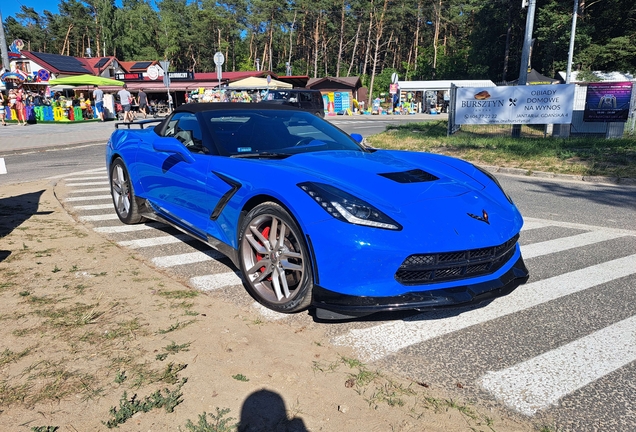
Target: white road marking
102 217
187 258
89 183
101 177
377 342
90 190
530 225
579 226
565 243
90 171
94 207
128 228
3 166
540 382
216 281
155 241
88 198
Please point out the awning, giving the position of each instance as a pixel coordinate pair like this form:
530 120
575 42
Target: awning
158 87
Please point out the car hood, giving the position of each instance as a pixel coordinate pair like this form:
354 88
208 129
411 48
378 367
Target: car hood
386 176
456 204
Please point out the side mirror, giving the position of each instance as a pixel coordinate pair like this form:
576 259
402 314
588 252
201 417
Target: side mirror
357 137
173 146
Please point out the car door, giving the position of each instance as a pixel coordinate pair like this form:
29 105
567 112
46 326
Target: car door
176 186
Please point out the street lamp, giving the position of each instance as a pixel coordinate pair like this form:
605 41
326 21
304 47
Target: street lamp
258 64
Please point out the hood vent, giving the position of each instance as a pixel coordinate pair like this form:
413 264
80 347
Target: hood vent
412 176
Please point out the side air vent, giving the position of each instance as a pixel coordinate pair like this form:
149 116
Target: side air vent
412 176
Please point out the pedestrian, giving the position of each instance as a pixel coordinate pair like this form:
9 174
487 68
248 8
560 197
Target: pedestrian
19 107
143 102
98 97
3 110
125 99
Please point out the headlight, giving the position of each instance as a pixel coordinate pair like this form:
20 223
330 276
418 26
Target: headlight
495 181
347 208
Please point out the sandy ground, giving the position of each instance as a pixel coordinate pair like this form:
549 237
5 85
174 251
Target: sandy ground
86 325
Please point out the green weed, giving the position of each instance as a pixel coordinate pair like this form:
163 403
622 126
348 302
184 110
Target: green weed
240 377
166 399
219 423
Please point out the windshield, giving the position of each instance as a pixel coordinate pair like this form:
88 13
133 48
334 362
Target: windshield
249 132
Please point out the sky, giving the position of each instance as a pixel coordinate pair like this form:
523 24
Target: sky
12 7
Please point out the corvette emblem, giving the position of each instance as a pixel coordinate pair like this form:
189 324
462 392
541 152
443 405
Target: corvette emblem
483 217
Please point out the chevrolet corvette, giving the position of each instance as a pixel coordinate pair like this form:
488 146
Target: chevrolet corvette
314 218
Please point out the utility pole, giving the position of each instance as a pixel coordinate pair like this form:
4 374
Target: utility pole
571 52
525 54
3 45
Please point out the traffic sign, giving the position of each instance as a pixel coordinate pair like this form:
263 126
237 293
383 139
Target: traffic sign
219 58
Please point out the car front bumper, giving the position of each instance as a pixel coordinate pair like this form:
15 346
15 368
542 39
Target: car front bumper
334 306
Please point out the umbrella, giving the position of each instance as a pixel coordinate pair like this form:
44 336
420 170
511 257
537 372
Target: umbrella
80 80
15 75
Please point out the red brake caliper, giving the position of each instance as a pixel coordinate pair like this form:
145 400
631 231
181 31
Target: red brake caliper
259 257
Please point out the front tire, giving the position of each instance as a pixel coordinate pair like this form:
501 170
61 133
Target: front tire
123 194
274 259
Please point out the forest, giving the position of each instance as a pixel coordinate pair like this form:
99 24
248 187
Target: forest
418 39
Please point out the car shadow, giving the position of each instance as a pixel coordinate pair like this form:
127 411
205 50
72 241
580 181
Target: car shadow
606 195
14 211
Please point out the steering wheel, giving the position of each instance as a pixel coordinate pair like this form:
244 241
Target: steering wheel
303 141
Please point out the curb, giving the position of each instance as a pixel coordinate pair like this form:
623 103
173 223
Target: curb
572 177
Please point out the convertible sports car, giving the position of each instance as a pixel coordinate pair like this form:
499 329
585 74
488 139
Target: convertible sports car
312 217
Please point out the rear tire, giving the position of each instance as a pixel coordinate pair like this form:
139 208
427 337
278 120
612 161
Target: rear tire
123 194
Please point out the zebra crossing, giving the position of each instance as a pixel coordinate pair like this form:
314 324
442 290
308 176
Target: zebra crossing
555 342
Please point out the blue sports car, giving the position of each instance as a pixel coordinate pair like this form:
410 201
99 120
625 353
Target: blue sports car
312 217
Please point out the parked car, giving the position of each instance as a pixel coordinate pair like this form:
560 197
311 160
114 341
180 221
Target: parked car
305 99
313 218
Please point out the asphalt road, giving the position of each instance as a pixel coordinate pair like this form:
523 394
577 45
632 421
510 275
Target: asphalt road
560 349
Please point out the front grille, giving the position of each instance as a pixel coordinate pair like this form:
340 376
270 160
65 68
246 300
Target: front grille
429 268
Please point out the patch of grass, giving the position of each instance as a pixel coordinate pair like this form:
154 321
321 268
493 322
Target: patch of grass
120 377
44 428
175 326
183 305
321 366
219 423
128 329
494 146
5 285
11 394
8 356
56 269
179 294
166 399
40 300
44 253
172 348
240 377
169 374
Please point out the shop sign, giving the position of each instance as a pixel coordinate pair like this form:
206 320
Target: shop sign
539 104
176 76
129 77
153 72
607 102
